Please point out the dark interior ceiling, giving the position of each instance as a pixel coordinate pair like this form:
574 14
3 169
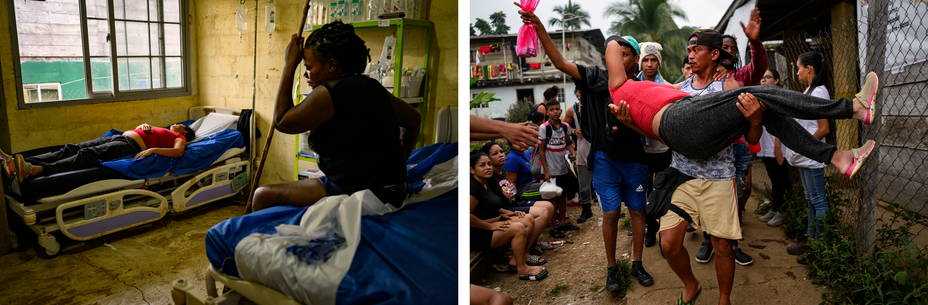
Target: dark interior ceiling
781 15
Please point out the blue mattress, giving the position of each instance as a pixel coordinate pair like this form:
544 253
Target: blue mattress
198 155
408 257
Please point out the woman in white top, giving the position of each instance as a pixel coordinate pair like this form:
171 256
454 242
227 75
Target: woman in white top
777 170
811 66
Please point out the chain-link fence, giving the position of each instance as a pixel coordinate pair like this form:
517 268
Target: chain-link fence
892 189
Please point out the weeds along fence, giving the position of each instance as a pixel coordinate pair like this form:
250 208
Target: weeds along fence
890 40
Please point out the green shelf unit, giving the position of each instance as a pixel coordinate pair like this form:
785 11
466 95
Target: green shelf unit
400 25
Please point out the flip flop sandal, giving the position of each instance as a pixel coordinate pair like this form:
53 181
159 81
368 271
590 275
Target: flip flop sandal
545 246
535 260
537 277
691 302
557 234
568 227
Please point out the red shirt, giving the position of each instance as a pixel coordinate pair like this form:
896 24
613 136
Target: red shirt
645 99
159 137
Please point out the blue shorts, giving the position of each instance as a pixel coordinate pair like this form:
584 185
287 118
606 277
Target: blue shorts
385 195
618 181
521 206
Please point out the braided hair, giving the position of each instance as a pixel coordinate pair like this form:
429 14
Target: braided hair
338 40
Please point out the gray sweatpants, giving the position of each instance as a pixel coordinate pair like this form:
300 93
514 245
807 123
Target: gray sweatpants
699 127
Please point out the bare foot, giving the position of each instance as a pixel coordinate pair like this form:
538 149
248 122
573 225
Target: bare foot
689 294
842 160
860 112
529 270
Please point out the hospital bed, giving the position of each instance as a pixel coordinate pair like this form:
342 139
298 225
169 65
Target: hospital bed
378 255
125 193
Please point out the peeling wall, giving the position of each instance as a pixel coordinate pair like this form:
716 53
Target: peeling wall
224 55
26 129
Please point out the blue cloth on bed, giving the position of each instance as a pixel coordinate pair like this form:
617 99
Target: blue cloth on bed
408 257
198 155
222 238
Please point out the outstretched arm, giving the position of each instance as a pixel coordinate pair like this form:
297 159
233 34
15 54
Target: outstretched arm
550 49
522 136
615 65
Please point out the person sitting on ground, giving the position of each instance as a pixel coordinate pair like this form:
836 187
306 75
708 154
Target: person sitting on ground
556 145
683 122
499 183
342 105
143 141
492 227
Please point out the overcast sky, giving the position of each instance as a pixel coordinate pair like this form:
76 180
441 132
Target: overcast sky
700 13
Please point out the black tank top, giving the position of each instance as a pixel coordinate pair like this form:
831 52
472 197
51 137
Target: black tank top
359 148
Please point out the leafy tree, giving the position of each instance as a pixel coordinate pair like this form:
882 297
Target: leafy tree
473 32
652 20
484 27
568 11
498 20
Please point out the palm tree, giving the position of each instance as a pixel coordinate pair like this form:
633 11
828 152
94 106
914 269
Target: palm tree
652 20
484 27
498 20
568 11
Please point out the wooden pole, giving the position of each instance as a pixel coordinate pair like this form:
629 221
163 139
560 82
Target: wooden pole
270 133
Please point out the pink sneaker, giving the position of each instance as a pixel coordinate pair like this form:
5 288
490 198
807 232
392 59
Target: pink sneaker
867 96
860 158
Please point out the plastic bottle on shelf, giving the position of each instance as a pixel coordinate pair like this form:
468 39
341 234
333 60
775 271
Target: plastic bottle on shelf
333 7
357 14
341 12
386 7
373 9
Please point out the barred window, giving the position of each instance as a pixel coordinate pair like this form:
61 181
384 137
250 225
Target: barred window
99 50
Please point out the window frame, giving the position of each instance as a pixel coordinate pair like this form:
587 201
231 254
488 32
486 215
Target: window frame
116 95
39 89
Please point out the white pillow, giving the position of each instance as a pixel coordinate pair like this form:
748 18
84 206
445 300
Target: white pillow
213 123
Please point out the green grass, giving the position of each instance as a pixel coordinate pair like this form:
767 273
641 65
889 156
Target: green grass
596 288
557 289
624 271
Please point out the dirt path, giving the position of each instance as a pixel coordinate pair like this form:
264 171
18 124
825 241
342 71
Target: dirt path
773 278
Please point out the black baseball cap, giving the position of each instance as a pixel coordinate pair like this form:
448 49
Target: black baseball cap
709 38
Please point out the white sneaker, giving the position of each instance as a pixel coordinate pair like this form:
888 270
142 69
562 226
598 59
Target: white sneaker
777 220
766 218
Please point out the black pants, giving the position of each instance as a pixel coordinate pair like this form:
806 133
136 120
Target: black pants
779 181
699 127
656 163
85 154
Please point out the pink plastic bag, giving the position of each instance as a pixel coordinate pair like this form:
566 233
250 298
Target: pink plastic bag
527 42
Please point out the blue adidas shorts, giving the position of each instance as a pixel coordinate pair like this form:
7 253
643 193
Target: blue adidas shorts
618 181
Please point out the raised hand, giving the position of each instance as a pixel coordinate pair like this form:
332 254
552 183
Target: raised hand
752 30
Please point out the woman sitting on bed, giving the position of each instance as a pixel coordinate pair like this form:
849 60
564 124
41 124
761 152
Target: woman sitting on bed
492 227
355 123
143 141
